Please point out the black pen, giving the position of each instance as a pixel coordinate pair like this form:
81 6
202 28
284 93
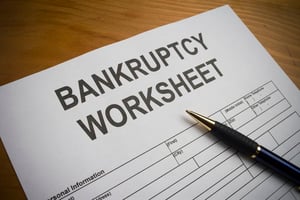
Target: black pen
249 147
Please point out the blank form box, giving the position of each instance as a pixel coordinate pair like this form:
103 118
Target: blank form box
293 155
185 137
144 178
193 148
286 128
235 108
235 181
204 182
260 93
165 181
267 141
273 182
204 174
265 121
289 148
284 193
256 169
210 153
242 118
122 173
250 186
218 117
267 102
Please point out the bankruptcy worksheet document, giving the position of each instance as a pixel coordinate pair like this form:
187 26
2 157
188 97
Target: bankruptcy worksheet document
111 124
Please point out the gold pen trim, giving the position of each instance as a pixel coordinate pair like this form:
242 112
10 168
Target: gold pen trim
258 149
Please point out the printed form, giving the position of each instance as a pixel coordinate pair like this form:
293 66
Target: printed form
111 124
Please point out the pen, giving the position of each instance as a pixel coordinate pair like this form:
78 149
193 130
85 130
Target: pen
249 147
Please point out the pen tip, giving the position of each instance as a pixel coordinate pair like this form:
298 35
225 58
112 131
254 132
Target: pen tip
191 113
208 123
188 111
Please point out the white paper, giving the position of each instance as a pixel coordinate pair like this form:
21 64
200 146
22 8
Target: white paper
153 150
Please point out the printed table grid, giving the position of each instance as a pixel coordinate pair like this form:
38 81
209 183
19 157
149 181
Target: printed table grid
178 165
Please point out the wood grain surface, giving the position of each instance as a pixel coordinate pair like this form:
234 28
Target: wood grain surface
37 34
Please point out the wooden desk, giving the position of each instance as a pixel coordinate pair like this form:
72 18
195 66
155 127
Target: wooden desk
36 35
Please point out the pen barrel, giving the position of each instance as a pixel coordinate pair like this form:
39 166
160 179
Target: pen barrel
249 147
279 164
235 139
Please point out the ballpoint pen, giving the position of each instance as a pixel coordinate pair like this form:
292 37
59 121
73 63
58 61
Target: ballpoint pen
249 147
